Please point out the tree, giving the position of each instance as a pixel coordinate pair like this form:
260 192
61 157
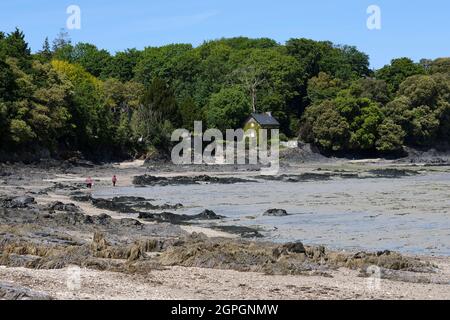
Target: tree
323 87
21 132
150 127
159 62
397 72
91 58
244 43
160 98
278 78
228 109
345 123
122 99
331 130
90 120
370 88
251 80
420 90
365 127
61 41
344 62
49 116
62 47
391 137
440 65
190 112
15 46
122 65
45 54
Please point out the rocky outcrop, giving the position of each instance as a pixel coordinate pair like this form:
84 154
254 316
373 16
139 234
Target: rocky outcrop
177 219
127 204
17 202
14 292
276 213
148 180
67 207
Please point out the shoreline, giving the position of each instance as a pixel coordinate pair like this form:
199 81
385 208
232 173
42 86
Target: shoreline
334 283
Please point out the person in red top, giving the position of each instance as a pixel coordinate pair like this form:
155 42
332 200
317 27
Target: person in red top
89 182
114 180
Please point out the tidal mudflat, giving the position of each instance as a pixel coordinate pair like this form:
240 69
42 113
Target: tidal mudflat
311 232
408 213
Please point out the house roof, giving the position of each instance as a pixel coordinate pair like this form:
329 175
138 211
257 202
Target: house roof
265 119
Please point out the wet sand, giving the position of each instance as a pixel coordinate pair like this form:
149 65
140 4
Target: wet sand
178 282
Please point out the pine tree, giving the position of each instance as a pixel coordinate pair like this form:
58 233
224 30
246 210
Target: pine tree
46 52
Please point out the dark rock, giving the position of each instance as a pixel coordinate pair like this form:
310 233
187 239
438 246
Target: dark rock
208 215
102 219
129 204
383 253
177 219
15 292
392 173
294 247
130 222
276 213
149 180
244 232
113 205
59 206
17 202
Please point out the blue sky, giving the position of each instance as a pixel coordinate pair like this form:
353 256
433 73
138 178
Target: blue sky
414 28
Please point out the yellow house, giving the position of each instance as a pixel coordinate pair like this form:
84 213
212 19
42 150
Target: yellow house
259 121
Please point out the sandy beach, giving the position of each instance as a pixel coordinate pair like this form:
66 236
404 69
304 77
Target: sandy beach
30 252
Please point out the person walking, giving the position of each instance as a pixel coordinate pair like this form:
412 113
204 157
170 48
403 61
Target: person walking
89 182
114 180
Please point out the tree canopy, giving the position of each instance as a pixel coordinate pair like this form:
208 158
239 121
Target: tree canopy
78 97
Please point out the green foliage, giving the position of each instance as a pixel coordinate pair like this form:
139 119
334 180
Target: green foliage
323 87
85 104
21 132
160 98
91 58
228 109
365 127
150 128
421 109
122 65
159 62
370 88
391 137
14 46
398 71
356 125
190 112
45 54
331 130
243 43
79 97
440 65
421 90
344 62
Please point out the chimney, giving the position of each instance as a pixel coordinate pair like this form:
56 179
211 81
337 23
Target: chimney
269 113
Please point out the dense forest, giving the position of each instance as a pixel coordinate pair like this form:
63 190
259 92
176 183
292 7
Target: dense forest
69 97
